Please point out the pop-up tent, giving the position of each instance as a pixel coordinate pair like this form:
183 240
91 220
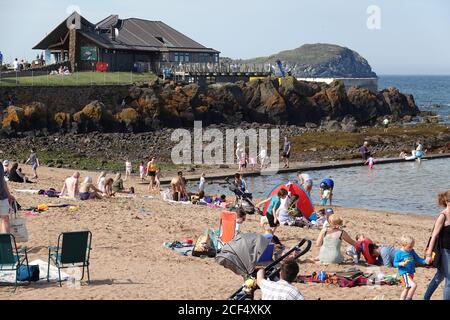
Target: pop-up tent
304 203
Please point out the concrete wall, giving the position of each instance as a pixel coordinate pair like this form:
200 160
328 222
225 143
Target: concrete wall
368 83
67 99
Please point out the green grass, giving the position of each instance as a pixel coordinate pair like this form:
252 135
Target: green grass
79 79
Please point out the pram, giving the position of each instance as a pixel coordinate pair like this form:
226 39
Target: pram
242 255
243 199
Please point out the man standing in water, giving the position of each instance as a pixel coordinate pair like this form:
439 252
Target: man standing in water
286 152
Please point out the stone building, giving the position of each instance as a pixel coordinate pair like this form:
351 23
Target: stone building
122 44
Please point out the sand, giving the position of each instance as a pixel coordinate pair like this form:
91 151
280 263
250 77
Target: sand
128 260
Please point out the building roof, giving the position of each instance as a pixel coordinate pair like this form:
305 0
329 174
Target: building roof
129 34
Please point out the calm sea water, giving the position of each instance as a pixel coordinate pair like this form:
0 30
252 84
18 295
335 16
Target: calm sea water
427 91
408 187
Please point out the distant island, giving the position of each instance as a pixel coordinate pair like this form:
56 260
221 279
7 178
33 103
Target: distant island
319 60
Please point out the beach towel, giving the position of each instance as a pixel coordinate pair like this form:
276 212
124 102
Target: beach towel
182 248
27 191
9 276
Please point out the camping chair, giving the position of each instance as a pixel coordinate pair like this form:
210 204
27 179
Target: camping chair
11 258
227 229
73 250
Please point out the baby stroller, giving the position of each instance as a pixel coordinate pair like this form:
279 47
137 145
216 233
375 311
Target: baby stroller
243 199
243 254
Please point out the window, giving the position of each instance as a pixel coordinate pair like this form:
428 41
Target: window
177 57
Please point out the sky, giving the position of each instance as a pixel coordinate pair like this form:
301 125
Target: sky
395 36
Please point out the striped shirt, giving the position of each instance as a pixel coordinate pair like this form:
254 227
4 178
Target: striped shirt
280 290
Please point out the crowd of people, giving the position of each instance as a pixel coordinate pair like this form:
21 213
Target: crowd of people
329 241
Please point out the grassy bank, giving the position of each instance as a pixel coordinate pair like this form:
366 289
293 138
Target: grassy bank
78 79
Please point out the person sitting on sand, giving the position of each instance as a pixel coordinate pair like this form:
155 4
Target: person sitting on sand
16 175
71 186
282 289
108 188
85 190
330 240
118 187
101 181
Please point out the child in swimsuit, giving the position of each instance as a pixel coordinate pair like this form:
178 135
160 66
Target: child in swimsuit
370 162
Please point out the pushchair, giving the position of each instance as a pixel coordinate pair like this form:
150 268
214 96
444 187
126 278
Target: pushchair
242 255
243 199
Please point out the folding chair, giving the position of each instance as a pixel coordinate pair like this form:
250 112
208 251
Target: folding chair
73 250
11 258
226 231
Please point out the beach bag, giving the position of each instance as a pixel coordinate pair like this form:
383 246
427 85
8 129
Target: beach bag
204 246
18 225
30 273
436 253
51 193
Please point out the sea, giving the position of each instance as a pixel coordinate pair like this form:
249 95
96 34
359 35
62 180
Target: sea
431 93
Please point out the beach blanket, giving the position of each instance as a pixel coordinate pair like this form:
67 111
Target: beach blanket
348 281
9 276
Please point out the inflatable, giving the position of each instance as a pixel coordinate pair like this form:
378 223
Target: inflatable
304 203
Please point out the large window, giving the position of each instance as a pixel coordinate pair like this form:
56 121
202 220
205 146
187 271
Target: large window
181 57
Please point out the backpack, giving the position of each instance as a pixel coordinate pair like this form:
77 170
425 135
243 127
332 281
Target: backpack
204 246
23 275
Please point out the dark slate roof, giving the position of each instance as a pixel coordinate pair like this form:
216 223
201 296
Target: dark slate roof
133 34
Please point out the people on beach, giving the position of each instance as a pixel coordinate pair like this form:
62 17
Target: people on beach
286 152
16 174
241 216
239 156
118 187
365 153
6 199
263 158
151 172
5 168
128 169
158 179
243 161
183 182
89 191
269 221
305 180
326 191
405 260
34 162
383 254
202 183
330 240
252 162
71 186
370 162
101 181
281 289
441 233
177 189
386 124
142 171
109 188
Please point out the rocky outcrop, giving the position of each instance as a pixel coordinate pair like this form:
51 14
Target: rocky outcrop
152 106
319 60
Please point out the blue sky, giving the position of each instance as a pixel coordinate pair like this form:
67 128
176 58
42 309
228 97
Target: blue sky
413 37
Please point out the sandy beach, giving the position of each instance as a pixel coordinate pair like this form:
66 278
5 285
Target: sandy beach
128 260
